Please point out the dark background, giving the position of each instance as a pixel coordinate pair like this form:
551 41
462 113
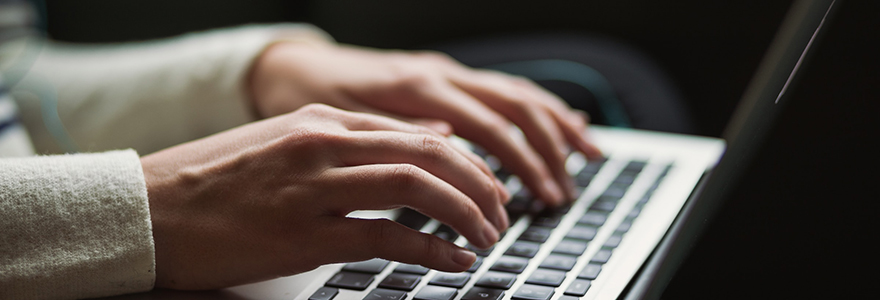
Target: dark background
802 221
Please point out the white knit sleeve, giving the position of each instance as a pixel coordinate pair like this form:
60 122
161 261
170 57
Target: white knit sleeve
74 226
149 95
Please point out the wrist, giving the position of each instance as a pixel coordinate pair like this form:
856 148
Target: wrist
273 78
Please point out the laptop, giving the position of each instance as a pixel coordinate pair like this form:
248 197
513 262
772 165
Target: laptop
637 213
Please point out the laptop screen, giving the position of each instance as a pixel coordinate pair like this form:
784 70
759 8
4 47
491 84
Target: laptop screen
753 118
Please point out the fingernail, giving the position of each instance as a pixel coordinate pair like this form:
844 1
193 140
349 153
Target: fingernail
490 234
555 191
502 191
502 219
464 258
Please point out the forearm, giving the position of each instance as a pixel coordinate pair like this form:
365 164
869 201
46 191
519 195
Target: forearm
150 95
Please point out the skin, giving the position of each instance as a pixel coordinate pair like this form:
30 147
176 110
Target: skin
270 198
479 105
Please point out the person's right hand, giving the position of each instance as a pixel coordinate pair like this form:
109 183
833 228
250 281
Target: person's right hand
270 199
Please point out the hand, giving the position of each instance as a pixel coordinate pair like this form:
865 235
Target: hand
427 87
270 198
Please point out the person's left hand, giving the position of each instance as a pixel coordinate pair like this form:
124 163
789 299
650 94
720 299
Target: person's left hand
433 90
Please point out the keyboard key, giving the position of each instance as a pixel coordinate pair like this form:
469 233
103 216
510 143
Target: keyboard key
350 280
590 271
411 269
496 280
480 252
602 256
594 218
503 174
446 233
480 293
635 166
581 232
625 178
549 220
634 212
604 205
523 249
433 292
383 294
593 166
583 179
546 277
616 190
644 199
456 280
578 288
476 265
516 208
624 226
533 292
324 293
613 241
524 194
372 266
559 262
400 281
412 219
510 264
493 163
570 247
535 234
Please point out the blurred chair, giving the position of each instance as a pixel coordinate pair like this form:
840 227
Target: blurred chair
614 83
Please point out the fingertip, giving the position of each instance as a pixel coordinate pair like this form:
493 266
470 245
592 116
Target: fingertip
582 114
490 234
591 151
502 191
464 258
555 195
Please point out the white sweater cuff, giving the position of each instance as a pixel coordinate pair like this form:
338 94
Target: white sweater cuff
74 226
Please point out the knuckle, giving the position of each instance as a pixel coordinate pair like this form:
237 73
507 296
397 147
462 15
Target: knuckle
433 148
411 81
405 178
434 56
311 140
318 108
496 125
523 106
380 233
522 81
471 212
431 250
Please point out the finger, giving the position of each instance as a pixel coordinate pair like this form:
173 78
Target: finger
440 126
387 186
434 155
390 240
368 122
435 98
475 121
572 122
580 137
530 115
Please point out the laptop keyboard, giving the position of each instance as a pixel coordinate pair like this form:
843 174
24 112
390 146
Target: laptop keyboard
542 260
